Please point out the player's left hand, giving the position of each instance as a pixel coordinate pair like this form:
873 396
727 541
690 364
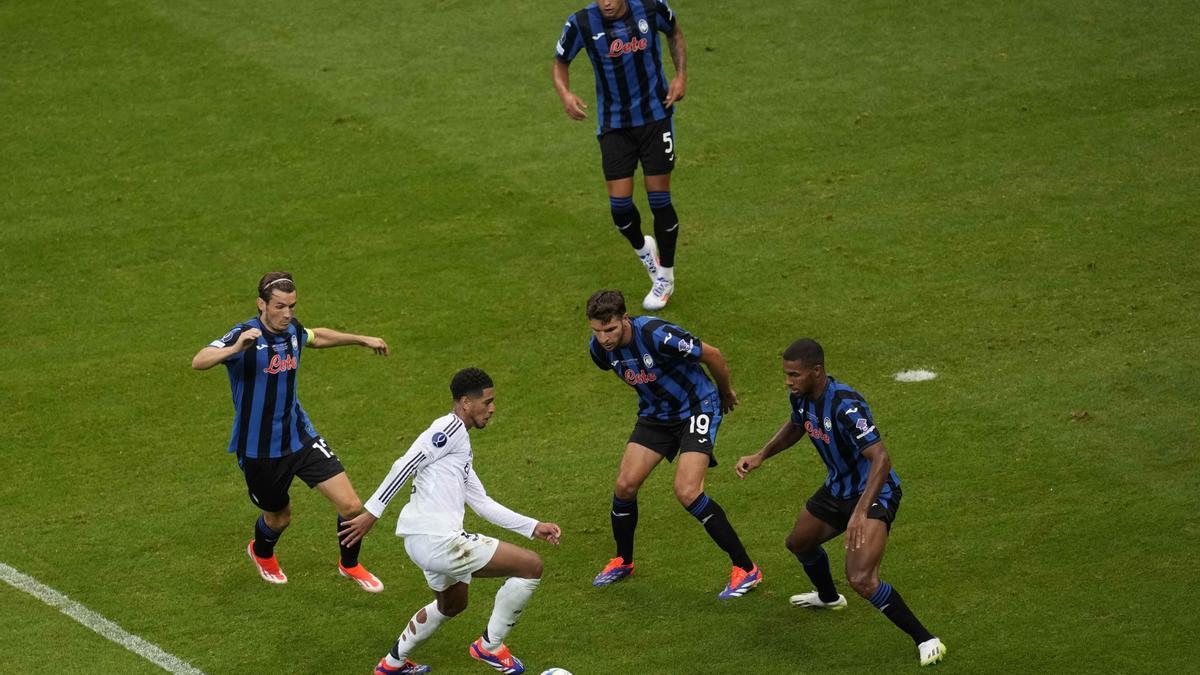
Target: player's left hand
352 531
675 91
856 531
377 344
548 532
729 401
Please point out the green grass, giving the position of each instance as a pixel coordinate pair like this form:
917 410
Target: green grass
1005 194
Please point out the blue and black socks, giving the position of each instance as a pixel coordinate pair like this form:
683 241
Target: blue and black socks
628 220
264 538
816 566
349 553
712 517
887 600
666 226
624 523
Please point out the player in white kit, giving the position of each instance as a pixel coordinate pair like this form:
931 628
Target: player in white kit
432 526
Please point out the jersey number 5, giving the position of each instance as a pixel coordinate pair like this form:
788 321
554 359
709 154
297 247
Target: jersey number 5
669 142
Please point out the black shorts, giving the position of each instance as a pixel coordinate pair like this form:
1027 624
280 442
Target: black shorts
837 512
695 434
653 144
268 480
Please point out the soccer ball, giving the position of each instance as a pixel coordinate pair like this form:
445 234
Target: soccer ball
556 671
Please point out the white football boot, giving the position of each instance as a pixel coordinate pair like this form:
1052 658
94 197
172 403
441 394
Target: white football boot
650 259
931 651
813 599
661 291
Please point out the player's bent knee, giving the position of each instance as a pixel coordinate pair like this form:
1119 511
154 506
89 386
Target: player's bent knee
863 583
351 508
798 546
687 494
451 608
534 568
625 488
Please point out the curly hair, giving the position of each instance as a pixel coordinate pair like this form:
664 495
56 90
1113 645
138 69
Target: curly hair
806 351
469 382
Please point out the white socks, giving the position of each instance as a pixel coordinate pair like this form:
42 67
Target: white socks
510 601
415 634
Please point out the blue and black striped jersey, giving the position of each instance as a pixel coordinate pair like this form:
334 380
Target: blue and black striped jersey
839 424
626 58
268 420
662 362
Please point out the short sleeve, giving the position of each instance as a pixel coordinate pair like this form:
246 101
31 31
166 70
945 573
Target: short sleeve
229 339
797 416
305 335
666 17
570 42
856 420
672 342
597 356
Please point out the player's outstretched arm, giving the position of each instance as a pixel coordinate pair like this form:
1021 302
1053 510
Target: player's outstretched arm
210 356
327 337
786 437
678 85
496 513
712 357
548 532
572 104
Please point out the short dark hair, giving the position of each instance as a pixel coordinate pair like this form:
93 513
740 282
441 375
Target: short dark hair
806 351
606 305
469 381
275 281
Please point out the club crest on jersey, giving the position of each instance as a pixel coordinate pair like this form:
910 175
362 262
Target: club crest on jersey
647 360
295 343
439 439
620 47
643 26
279 365
828 424
228 336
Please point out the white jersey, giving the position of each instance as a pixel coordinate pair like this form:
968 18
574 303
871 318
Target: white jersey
445 481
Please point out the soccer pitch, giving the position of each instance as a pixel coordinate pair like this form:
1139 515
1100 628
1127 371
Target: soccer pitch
1003 193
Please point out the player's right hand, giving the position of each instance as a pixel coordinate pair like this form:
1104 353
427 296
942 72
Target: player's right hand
548 532
352 531
729 401
248 338
747 464
574 107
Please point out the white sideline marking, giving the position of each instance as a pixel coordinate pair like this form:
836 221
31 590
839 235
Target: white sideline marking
97 623
915 375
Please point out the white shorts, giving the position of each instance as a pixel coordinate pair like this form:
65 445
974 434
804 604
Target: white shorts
449 559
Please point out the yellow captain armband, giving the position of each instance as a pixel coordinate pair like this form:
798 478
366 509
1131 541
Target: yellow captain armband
311 335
